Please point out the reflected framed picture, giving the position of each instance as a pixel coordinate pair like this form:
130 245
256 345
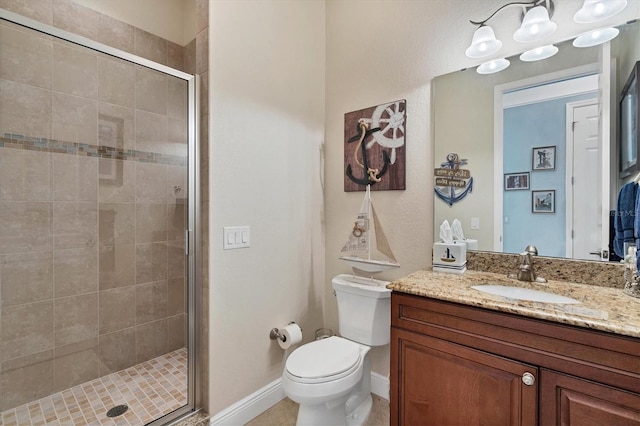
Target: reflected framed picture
543 158
543 201
629 123
516 181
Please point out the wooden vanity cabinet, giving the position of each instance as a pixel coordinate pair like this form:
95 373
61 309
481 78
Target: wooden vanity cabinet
453 364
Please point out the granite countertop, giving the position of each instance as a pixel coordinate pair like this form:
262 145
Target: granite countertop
601 308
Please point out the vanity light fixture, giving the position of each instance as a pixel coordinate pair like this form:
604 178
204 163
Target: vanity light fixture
598 10
536 25
491 67
596 37
484 43
539 53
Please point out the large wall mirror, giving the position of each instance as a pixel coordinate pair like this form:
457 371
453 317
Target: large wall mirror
540 141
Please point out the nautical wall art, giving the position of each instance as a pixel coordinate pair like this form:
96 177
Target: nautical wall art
374 148
452 183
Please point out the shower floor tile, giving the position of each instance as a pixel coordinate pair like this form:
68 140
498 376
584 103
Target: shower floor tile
150 389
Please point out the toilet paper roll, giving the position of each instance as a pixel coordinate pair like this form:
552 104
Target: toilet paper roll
292 335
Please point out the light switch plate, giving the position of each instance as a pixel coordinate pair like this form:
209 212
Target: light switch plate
236 237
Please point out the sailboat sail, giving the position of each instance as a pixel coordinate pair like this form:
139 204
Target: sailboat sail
364 237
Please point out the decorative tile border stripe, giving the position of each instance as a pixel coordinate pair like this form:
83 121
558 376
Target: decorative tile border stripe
150 389
100 151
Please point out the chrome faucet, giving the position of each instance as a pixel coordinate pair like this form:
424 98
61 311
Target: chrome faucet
525 270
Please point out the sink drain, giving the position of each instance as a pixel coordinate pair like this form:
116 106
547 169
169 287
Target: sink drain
118 410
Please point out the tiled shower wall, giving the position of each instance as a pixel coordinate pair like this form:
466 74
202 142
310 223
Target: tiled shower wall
92 181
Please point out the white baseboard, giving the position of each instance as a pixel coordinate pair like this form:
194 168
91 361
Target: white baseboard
260 401
246 409
380 385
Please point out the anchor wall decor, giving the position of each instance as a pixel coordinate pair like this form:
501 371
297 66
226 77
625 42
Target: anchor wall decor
374 148
450 183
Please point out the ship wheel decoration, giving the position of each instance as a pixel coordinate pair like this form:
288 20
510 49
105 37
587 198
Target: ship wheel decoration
374 147
450 183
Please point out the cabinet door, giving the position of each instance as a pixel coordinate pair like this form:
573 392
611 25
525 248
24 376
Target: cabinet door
567 400
442 383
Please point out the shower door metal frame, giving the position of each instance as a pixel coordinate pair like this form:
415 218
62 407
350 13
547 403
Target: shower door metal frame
192 233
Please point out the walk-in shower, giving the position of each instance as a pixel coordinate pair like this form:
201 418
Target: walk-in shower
97 217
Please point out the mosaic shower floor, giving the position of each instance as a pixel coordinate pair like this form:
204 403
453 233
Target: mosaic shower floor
150 389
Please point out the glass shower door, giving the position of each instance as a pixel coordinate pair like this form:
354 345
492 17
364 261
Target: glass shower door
94 203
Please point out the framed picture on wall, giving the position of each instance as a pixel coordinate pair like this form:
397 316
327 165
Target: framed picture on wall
543 158
543 201
515 181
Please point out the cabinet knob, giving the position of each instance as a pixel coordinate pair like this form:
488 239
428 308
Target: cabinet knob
528 379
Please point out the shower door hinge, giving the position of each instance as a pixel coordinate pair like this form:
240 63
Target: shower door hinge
186 242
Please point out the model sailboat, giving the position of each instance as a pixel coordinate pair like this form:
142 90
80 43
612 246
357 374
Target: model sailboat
367 237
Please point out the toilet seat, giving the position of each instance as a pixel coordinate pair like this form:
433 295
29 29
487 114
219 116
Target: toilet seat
324 360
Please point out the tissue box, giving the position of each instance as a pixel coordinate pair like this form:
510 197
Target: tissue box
451 258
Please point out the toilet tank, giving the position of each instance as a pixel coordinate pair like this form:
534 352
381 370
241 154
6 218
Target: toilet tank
364 309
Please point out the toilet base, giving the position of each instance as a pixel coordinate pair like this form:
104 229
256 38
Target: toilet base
333 413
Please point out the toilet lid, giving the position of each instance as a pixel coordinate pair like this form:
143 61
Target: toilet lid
323 358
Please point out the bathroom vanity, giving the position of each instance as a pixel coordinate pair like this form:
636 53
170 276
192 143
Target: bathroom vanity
461 356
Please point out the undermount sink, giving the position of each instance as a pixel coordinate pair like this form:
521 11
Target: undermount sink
519 293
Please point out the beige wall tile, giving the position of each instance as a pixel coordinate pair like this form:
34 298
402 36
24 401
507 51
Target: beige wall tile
151 132
25 56
176 183
176 259
177 97
151 223
204 93
116 82
177 137
75 364
151 340
116 126
202 15
176 221
202 51
75 224
26 329
117 309
175 55
75 18
117 351
25 175
25 110
190 57
117 266
117 223
75 271
75 178
151 183
76 319
150 46
151 302
121 189
151 90
26 277
40 10
26 226
151 262
75 70
176 332
75 119
26 379
176 296
115 33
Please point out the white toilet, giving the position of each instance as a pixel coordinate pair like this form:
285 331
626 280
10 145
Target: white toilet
331 378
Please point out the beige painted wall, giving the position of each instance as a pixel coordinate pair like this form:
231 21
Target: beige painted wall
173 20
267 127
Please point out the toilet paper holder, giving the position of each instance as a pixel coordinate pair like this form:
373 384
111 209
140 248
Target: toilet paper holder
275 333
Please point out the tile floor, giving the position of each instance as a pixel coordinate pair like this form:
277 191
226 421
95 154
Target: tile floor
150 389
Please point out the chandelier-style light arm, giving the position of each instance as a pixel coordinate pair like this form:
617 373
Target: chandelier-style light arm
524 4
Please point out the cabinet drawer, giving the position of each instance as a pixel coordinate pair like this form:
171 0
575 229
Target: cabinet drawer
594 355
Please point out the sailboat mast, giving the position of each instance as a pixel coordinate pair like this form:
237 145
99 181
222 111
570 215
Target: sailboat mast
370 219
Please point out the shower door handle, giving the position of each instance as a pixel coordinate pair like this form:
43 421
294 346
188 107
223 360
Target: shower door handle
186 242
